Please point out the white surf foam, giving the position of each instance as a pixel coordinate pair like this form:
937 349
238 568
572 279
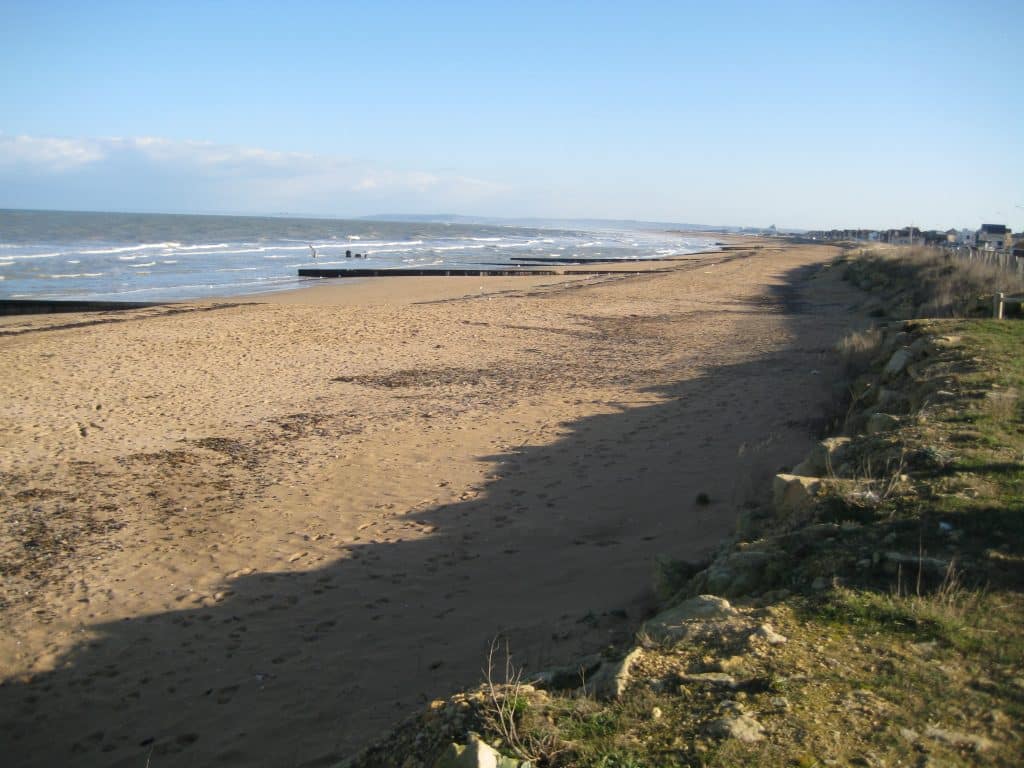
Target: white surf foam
204 246
126 249
36 255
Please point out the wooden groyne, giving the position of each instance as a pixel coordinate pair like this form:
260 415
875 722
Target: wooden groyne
489 271
52 306
415 272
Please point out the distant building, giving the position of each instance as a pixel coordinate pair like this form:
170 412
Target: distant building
1018 246
905 236
968 237
952 237
993 237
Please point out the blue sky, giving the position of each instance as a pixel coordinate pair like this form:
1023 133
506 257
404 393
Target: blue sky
798 114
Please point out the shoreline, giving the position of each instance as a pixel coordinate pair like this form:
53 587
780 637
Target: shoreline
326 505
24 304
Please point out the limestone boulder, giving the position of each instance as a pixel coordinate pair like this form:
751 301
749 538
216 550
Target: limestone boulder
705 617
476 754
612 678
897 363
767 633
824 458
794 494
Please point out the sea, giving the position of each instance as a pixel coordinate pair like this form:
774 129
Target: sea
166 257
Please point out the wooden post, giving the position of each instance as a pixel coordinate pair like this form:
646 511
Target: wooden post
997 306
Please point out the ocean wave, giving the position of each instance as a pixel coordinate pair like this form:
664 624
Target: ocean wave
260 249
364 244
523 244
393 250
237 269
145 264
169 261
125 249
200 247
78 274
46 255
74 261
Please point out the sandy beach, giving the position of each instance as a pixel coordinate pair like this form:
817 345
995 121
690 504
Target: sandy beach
259 531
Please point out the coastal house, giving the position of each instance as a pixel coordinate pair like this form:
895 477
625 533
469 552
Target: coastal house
968 237
952 237
993 237
844 234
1018 246
905 236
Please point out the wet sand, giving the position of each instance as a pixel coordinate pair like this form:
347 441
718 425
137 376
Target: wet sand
260 531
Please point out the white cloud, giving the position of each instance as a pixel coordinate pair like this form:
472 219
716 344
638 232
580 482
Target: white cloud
48 154
154 172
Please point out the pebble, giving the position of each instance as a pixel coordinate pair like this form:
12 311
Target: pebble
767 633
740 727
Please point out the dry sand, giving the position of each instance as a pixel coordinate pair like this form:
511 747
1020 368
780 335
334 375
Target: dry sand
257 532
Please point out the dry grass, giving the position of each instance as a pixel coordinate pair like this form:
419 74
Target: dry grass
858 349
506 712
937 283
